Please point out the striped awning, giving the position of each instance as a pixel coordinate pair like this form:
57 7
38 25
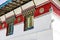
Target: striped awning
10 5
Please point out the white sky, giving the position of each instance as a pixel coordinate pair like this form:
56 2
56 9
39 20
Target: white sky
2 1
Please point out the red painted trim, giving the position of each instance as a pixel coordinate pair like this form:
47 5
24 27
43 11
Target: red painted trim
55 9
54 4
46 7
36 13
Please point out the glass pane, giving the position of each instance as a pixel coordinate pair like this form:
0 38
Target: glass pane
0 22
28 19
10 29
28 23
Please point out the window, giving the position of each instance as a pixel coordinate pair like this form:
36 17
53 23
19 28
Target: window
10 22
28 19
10 29
0 22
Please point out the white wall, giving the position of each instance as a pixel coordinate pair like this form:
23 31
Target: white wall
56 26
41 23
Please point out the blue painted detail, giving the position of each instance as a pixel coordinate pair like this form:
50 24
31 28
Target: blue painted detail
5 3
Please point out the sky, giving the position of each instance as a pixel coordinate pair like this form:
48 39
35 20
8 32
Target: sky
2 1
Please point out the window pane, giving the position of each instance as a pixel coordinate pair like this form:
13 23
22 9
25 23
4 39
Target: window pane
10 29
28 19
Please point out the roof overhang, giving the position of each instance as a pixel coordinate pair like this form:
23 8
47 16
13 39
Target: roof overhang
10 5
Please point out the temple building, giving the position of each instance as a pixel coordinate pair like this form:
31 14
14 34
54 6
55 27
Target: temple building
25 20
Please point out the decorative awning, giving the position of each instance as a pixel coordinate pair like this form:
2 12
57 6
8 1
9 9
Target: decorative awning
10 5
